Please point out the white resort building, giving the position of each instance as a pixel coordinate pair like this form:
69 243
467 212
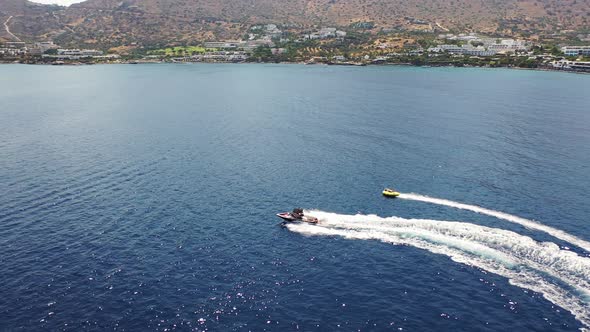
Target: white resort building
576 50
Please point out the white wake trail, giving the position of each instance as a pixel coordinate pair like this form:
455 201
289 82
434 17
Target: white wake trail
530 224
560 275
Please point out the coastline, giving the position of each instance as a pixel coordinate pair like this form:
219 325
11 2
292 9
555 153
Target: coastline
542 69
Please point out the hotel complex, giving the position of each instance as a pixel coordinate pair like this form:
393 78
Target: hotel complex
576 50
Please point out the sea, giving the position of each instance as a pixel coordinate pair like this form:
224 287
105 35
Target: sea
144 198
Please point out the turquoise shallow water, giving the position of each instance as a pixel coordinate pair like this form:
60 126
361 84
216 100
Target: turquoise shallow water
143 198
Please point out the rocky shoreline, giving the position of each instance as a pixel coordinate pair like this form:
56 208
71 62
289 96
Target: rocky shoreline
349 64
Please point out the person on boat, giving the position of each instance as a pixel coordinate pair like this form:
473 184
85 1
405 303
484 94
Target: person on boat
297 213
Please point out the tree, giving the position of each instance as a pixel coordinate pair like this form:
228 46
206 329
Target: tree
555 51
262 53
417 61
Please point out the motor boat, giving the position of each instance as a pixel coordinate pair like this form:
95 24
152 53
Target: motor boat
387 192
297 215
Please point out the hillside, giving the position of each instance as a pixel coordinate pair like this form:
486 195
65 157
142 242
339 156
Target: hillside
123 22
30 20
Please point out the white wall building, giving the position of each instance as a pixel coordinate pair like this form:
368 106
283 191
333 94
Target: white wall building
576 50
324 33
223 44
465 50
41 47
79 53
571 65
9 51
506 45
74 54
453 49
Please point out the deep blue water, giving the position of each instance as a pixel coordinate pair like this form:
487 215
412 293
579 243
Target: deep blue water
143 197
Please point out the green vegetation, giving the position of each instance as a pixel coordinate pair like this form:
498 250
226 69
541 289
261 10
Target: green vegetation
357 47
262 54
362 25
444 59
180 51
550 49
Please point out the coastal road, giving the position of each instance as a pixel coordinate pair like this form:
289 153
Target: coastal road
8 29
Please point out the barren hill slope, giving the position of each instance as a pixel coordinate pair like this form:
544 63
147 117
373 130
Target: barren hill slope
120 22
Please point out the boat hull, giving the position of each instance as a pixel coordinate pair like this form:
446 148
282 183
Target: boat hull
286 216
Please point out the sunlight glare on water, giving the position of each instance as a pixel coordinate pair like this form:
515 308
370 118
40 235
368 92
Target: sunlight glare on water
144 198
